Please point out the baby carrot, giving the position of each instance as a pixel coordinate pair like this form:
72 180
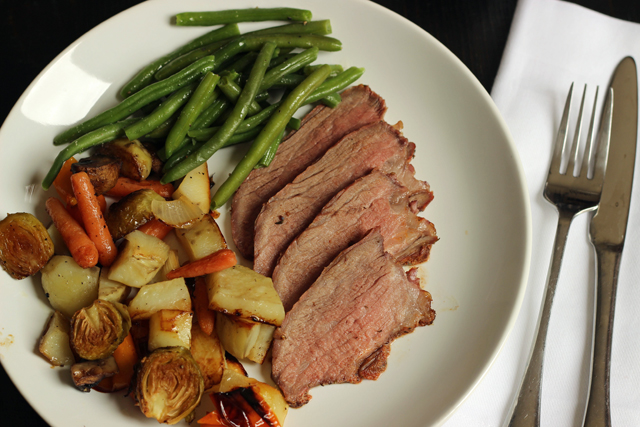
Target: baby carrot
93 218
156 228
217 261
82 249
126 357
206 317
62 183
126 186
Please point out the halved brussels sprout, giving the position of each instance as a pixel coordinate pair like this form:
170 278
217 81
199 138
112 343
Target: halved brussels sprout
169 385
130 212
25 245
97 330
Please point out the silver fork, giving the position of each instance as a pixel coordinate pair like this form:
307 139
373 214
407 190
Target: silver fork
572 195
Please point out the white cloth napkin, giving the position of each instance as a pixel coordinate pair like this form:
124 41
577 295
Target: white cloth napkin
552 44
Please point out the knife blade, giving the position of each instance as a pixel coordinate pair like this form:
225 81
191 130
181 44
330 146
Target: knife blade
607 233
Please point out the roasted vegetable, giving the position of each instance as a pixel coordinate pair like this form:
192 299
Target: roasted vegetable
170 264
103 171
68 286
25 245
242 292
181 213
196 187
209 355
54 344
110 290
136 160
246 401
131 212
59 247
170 328
97 330
87 375
140 258
169 385
168 295
201 239
243 338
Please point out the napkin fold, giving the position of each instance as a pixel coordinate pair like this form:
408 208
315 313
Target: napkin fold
552 44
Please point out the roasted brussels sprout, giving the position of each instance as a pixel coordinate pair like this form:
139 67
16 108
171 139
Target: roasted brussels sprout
169 385
25 245
131 212
97 330
87 375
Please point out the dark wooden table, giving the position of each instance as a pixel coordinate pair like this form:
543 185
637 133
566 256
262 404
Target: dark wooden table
33 32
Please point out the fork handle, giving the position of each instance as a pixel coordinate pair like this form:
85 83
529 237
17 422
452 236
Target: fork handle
598 413
526 412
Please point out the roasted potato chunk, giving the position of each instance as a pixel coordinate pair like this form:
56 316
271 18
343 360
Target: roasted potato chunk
201 239
25 245
54 344
68 286
208 352
242 292
196 187
103 171
244 339
169 295
131 212
136 160
140 258
170 328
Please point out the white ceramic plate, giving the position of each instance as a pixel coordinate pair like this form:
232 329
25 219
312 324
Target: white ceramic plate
477 271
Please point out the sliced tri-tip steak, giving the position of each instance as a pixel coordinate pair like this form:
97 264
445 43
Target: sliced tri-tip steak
292 209
340 329
320 130
375 200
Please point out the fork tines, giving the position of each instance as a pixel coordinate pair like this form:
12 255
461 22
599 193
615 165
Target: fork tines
602 149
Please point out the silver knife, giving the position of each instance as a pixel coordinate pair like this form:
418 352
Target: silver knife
607 231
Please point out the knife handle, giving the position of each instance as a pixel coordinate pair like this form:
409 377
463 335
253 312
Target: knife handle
598 413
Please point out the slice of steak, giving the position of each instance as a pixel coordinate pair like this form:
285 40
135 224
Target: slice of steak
340 329
320 130
292 209
375 200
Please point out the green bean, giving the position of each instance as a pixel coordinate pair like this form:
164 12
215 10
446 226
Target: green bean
204 134
255 42
332 100
294 124
244 62
336 84
190 112
188 149
242 15
280 59
274 126
229 126
163 128
138 100
288 81
145 76
268 156
335 69
320 28
210 114
182 61
149 123
232 91
289 66
98 136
